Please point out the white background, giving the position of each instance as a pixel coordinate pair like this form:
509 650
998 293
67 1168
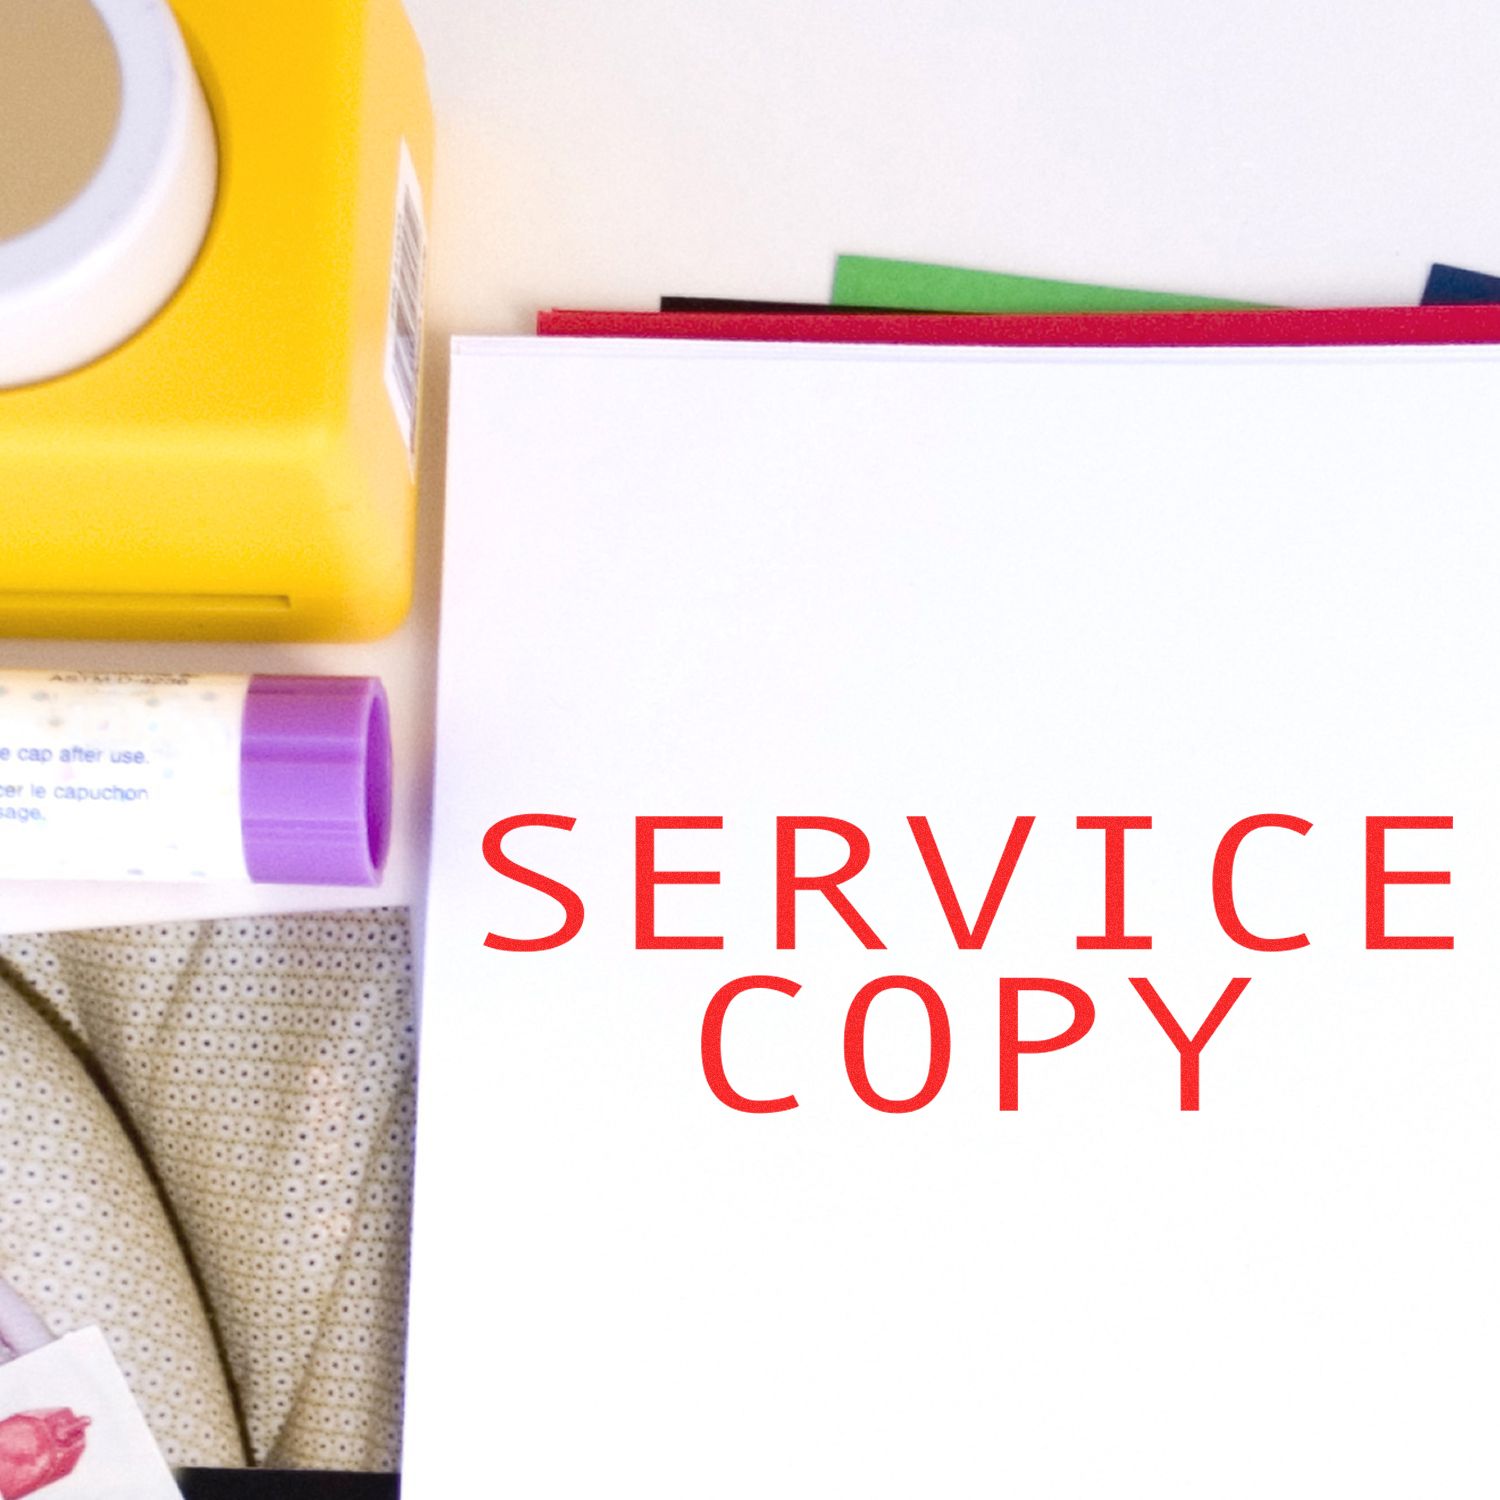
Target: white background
602 152
966 586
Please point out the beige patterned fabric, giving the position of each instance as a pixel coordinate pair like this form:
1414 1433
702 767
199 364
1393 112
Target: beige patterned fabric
260 1074
84 1237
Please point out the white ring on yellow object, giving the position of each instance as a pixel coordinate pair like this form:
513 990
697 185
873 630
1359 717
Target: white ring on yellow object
81 283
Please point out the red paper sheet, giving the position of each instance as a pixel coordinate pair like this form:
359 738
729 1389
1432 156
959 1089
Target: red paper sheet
1270 327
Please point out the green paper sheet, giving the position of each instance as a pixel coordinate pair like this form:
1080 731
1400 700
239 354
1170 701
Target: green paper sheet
911 286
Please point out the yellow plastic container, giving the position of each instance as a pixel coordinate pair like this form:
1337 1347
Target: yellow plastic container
241 468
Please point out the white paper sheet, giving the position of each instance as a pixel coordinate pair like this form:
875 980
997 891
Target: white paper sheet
750 583
70 1427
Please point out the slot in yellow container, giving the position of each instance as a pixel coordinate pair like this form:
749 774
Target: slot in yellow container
242 468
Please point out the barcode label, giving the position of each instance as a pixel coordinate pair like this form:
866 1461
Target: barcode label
403 340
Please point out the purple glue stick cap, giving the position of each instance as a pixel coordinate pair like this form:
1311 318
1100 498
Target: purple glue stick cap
315 780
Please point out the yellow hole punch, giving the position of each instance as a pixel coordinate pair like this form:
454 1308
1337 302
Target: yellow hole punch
213 238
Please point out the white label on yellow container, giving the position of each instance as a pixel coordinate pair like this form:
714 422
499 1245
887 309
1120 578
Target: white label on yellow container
403 339
120 776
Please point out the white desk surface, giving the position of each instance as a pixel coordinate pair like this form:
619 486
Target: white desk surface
603 152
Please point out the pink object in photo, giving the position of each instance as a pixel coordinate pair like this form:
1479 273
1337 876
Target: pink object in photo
38 1448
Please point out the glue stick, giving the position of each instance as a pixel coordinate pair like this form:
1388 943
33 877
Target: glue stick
132 776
